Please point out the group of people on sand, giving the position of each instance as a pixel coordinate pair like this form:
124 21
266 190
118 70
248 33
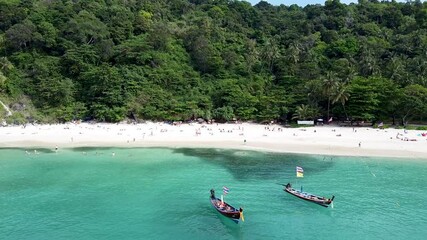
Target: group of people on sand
404 138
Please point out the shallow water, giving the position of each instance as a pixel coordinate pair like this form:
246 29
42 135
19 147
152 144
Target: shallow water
158 193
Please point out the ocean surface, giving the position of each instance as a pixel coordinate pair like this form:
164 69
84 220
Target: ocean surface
161 193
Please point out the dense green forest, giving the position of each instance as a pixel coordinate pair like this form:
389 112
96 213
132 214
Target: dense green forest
167 60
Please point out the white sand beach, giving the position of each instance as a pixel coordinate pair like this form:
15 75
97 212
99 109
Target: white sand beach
324 140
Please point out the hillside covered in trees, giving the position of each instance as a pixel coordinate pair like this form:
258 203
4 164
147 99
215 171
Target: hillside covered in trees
110 60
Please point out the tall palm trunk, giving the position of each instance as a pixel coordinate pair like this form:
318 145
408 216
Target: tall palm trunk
329 104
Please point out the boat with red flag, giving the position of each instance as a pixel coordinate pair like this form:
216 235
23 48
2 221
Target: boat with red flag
226 209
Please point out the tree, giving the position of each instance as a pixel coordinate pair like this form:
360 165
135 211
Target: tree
143 22
5 64
20 35
10 13
396 69
293 53
341 95
329 83
2 82
79 59
119 21
48 87
274 105
205 56
86 28
413 103
225 113
270 53
103 88
251 56
368 62
364 101
305 112
314 91
54 91
47 34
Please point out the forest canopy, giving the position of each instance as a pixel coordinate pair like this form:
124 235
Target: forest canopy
179 60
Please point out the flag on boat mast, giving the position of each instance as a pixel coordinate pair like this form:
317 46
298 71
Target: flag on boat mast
300 172
225 190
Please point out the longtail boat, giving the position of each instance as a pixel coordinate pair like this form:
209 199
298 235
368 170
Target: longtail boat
325 202
226 209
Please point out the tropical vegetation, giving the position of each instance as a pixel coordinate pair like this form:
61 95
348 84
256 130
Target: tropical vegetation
170 60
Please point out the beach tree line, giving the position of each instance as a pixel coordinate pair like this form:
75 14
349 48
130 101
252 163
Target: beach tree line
173 60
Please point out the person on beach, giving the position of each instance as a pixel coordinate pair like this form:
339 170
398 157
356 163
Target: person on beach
360 144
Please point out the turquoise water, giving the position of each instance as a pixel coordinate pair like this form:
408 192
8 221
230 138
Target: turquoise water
146 193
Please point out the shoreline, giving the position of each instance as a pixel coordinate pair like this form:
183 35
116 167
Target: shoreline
317 140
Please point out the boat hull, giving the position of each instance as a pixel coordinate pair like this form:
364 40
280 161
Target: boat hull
226 210
324 202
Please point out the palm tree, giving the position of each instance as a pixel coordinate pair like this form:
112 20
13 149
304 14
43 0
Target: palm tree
396 68
314 90
368 63
5 64
271 52
293 53
2 82
341 95
305 112
349 71
251 55
420 69
328 86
